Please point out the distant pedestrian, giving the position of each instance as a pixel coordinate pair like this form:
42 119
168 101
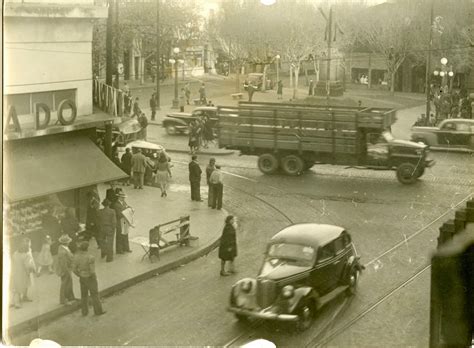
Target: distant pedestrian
311 87
45 258
23 266
64 269
280 90
195 179
202 94
84 268
209 169
138 169
127 102
136 108
217 186
143 120
93 205
153 106
107 223
122 212
228 245
194 132
71 227
182 100
163 174
187 92
251 90
126 165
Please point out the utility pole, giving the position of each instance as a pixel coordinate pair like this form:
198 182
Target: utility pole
158 60
328 65
428 65
108 44
116 62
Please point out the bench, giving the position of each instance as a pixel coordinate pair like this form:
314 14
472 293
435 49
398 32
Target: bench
237 95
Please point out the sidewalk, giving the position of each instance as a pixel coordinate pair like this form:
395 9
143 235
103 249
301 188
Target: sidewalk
127 269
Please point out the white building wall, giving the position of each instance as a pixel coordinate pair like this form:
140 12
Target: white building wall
48 48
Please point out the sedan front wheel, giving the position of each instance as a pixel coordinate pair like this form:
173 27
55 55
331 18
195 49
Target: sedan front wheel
171 130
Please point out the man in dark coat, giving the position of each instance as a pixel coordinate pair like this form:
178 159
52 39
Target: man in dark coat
107 222
121 240
126 162
228 245
136 108
195 179
91 215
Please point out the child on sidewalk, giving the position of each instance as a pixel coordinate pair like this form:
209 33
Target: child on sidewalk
45 258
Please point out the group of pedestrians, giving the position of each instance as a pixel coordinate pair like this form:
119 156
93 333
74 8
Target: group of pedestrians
214 178
201 133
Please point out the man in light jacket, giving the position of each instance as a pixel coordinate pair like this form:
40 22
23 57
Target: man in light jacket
138 169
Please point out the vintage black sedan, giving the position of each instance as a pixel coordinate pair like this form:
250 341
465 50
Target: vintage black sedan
451 134
305 266
178 122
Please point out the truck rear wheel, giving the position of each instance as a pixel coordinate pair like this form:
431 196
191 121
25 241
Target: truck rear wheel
292 165
406 173
268 163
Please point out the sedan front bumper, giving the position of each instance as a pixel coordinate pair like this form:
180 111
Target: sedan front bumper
266 315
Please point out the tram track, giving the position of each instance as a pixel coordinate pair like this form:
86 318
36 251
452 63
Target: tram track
325 335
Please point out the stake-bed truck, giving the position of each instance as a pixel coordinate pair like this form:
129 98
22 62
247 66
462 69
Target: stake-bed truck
293 137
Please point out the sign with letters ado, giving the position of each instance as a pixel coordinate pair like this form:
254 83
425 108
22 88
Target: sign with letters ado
13 122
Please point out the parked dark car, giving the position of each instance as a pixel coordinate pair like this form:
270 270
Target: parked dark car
124 131
305 266
178 122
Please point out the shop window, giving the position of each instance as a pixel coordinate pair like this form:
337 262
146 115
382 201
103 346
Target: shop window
64 94
42 97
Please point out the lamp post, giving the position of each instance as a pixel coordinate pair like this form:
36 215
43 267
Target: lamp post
174 61
445 73
277 60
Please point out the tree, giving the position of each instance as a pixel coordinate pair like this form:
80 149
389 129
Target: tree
180 25
388 29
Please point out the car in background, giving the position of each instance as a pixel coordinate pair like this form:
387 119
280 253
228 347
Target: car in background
124 131
452 133
178 122
305 266
147 148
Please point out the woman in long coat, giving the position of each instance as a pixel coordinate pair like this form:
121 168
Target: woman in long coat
228 245
22 267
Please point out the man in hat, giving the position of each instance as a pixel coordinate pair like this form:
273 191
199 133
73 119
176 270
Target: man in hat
63 270
138 168
121 243
217 187
84 267
107 222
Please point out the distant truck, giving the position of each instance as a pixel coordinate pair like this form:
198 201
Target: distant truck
294 137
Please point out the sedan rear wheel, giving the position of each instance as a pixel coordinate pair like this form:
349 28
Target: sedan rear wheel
352 280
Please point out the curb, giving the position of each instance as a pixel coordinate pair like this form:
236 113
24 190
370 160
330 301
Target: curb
34 324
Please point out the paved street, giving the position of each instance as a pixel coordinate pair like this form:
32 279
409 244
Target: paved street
394 228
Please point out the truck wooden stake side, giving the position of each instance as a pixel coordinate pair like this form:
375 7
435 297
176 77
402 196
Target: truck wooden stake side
294 137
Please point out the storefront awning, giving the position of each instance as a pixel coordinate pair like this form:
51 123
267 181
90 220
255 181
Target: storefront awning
45 165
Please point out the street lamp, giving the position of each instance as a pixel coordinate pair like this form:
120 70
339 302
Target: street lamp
444 72
277 59
174 61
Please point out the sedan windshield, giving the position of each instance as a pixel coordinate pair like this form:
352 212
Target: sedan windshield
300 254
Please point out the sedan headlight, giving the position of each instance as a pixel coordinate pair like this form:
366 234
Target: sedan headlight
246 286
288 291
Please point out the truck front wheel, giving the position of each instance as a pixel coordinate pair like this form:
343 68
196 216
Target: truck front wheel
292 165
407 173
268 163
